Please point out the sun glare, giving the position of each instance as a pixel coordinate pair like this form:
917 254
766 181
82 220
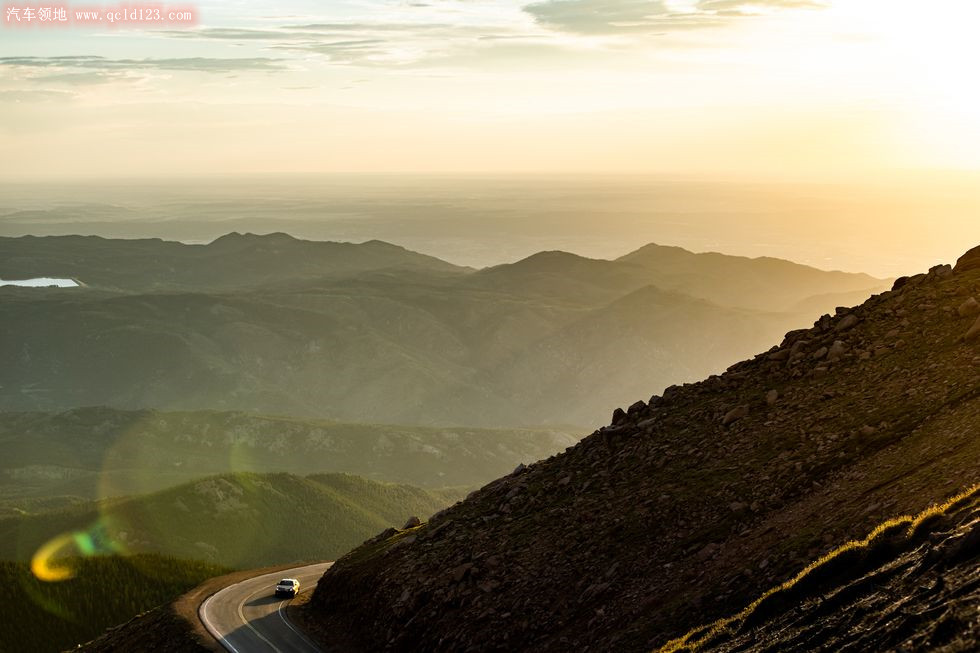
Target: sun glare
924 55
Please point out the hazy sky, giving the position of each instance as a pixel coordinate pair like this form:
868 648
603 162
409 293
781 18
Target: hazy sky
741 88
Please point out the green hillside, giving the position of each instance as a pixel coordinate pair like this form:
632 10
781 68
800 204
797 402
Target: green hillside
99 452
240 520
46 617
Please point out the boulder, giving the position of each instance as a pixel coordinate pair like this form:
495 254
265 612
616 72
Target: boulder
779 355
847 322
969 261
974 331
969 307
638 407
412 522
772 397
941 271
735 414
837 351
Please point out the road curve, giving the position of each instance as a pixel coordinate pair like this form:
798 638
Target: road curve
248 618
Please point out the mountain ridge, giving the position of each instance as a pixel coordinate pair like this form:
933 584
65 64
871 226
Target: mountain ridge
367 340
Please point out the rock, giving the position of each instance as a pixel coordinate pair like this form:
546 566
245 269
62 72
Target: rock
820 353
969 307
735 414
837 351
942 271
974 331
707 552
618 416
868 430
460 572
772 397
969 261
519 469
637 407
900 283
779 355
413 522
384 535
848 322
737 506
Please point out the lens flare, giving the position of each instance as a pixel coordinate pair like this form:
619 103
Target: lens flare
57 559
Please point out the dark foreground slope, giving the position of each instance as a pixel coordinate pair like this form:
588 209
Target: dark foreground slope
690 506
913 584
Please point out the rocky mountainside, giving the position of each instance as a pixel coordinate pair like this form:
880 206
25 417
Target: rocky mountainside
692 504
913 584
375 333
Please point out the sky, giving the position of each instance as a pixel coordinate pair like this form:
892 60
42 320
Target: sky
753 89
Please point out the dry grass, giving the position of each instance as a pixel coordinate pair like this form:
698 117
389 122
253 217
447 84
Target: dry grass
696 638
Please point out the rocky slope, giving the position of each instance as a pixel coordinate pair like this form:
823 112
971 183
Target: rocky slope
913 584
689 506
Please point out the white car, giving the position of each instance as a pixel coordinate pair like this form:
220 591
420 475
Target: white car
287 587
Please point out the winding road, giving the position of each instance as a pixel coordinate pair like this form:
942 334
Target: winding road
248 618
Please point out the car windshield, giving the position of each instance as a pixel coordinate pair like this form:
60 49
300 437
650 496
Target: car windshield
286 582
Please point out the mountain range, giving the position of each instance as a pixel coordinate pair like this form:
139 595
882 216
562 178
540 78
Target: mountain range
376 333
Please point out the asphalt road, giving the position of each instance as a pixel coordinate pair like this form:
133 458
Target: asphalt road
248 618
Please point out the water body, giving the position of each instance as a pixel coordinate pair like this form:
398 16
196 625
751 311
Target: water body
43 282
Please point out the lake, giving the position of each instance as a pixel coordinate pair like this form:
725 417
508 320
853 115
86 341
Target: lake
43 282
